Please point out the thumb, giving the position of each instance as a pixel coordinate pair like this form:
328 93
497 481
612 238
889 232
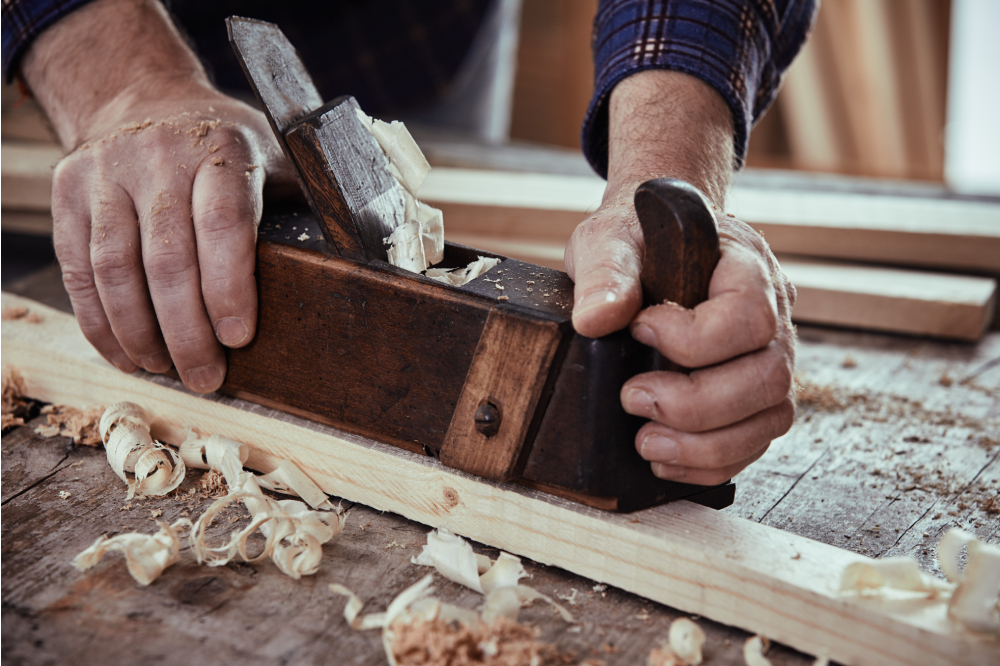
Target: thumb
604 258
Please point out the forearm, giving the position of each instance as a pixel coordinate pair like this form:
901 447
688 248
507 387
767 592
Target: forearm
105 55
667 123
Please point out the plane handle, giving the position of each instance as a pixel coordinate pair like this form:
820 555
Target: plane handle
681 241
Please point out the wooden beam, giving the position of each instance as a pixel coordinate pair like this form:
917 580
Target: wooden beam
26 175
697 560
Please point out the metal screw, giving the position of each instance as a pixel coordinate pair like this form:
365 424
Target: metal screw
488 419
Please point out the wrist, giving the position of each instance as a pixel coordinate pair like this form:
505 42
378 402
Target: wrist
667 123
105 59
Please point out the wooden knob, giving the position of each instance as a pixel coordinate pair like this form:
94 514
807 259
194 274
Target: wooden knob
682 244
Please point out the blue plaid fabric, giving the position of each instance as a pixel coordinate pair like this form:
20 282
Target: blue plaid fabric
739 47
22 21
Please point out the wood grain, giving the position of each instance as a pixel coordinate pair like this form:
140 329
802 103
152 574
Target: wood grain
512 365
692 558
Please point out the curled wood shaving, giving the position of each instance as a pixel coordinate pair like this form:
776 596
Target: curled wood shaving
20 312
754 649
147 467
418 243
146 555
685 642
972 594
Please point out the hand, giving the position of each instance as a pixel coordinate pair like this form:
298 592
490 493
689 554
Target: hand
707 426
704 427
155 208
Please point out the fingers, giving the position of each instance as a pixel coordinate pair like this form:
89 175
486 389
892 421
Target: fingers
226 205
714 397
71 237
116 258
603 257
170 258
712 457
740 315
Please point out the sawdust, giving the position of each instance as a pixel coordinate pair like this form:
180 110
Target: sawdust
203 127
213 485
20 313
15 407
81 425
504 642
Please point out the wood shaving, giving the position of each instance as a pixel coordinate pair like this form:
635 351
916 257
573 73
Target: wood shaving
80 425
294 534
64 494
754 650
19 312
418 243
145 555
972 594
147 467
14 405
684 649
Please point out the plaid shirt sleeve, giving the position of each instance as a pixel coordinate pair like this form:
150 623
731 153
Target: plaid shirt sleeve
740 47
22 21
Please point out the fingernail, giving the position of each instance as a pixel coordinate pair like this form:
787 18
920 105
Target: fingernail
204 379
158 362
231 331
123 362
659 448
644 334
640 403
593 300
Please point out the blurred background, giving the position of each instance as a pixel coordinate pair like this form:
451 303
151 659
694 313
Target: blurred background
884 88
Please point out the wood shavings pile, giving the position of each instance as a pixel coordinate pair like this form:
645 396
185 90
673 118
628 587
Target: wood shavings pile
81 425
418 243
14 405
438 643
294 533
419 629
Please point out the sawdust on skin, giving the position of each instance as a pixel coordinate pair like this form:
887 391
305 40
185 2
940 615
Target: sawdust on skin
439 643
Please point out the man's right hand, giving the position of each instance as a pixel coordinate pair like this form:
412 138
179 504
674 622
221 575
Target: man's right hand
156 205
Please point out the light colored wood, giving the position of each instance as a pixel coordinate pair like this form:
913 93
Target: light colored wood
886 299
918 231
512 363
692 558
26 179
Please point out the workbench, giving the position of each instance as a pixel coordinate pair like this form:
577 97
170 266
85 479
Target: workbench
896 440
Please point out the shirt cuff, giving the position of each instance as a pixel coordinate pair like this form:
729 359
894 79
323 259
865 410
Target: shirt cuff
726 43
22 21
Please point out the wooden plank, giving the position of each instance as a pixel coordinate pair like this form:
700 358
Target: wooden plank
888 299
933 232
511 367
26 175
689 557
842 294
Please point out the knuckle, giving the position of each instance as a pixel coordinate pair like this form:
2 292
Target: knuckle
167 269
783 417
683 414
78 282
778 376
114 265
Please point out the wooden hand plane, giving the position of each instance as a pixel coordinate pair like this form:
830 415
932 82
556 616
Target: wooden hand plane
490 377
